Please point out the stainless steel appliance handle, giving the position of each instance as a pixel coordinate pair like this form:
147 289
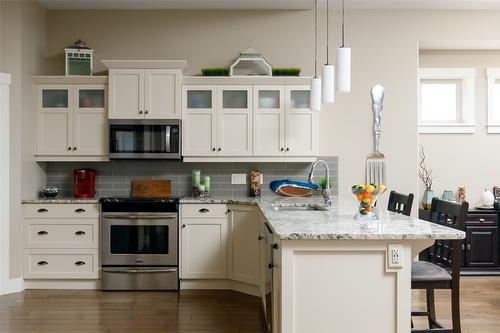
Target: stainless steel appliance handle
167 139
122 270
135 217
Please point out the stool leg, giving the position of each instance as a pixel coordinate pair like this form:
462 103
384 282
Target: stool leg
455 310
431 309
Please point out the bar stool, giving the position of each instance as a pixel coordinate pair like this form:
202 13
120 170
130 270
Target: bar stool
400 203
439 266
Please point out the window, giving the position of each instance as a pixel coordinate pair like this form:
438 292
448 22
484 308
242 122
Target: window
493 75
446 101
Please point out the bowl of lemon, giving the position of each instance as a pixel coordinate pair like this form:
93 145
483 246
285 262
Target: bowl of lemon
367 196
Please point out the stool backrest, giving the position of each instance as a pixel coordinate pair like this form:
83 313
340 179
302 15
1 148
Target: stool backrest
400 203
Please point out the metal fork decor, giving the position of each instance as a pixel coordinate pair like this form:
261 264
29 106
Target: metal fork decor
375 162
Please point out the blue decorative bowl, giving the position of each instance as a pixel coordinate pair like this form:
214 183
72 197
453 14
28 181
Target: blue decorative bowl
293 188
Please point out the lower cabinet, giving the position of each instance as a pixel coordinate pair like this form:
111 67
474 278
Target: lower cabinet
482 246
61 241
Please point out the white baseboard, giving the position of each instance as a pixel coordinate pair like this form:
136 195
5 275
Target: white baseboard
62 284
241 287
13 286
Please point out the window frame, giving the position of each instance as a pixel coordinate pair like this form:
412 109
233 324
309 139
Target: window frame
492 76
467 78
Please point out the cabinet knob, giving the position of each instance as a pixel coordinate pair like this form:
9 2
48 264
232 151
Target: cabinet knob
463 247
228 211
146 112
282 149
219 149
270 266
275 246
183 225
260 238
287 149
74 148
69 148
80 210
42 263
140 111
213 149
42 210
468 247
80 263
42 233
80 233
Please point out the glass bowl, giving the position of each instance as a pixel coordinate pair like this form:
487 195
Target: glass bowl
367 195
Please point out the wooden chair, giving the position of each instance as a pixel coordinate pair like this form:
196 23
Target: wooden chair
439 266
400 203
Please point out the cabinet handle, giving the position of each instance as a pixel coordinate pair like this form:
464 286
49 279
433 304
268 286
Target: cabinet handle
140 111
287 149
228 211
468 247
74 148
42 263
260 238
270 266
481 220
80 263
203 210
80 210
42 233
42 210
80 233
183 225
275 246
69 148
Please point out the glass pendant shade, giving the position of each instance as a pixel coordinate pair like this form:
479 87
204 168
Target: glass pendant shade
343 77
315 98
328 84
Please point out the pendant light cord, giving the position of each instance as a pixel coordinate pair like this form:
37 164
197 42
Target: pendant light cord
343 17
315 37
327 28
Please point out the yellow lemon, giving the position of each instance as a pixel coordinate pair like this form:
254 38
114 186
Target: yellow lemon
381 187
370 188
367 200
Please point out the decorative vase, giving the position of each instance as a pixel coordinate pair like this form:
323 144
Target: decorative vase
367 196
427 198
487 199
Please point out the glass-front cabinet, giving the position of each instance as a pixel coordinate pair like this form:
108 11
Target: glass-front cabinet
71 121
302 124
269 125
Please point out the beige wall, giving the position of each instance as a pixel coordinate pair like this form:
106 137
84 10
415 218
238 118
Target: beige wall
465 159
22 44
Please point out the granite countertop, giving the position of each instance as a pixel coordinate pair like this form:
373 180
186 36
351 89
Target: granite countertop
61 200
337 222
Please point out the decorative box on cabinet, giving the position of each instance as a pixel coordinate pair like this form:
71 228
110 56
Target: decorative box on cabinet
68 109
61 241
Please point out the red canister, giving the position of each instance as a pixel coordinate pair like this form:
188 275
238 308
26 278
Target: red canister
84 183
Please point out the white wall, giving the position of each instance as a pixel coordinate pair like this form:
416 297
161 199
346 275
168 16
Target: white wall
22 44
465 159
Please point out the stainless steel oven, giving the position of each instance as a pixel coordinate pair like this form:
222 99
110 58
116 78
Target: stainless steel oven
144 139
139 244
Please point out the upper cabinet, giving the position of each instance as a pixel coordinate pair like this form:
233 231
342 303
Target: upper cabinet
66 113
144 93
239 121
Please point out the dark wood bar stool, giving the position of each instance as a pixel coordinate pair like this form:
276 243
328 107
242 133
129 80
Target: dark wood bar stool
400 203
439 266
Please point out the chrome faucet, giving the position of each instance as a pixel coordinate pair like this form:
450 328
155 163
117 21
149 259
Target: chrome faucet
327 193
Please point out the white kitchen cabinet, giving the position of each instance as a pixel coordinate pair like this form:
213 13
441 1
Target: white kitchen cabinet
217 120
71 122
269 121
144 93
244 244
203 247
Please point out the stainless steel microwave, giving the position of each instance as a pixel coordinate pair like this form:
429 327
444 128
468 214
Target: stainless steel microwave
144 139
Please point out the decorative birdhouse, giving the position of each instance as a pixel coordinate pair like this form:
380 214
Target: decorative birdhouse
250 63
79 59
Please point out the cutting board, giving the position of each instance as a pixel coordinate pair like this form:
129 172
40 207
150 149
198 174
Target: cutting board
151 189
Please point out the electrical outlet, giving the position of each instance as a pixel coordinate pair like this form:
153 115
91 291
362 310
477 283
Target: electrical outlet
261 179
238 179
395 255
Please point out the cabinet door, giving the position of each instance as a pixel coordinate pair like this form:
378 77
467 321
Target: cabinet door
481 246
54 120
199 126
235 121
203 253
162 94
243 247
126 93
90 121
301 123
269 121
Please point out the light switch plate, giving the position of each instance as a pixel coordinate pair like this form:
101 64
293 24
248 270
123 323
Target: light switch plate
238 179
261 178
395 255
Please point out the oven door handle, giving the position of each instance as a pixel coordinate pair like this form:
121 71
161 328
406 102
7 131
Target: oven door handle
138 217
121 270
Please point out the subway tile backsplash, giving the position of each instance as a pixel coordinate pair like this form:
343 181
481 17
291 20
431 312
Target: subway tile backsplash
114 178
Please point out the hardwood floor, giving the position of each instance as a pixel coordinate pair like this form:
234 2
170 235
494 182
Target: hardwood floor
199 311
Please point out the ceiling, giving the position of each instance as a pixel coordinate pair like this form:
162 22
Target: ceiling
267 4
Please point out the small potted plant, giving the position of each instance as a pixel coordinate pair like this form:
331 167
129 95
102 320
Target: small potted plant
322 184
425 176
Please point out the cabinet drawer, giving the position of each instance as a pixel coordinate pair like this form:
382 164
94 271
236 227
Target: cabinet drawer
63 233
43 211
203 210
55 264
481 219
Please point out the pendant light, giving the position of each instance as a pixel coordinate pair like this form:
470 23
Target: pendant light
328 77
315 98
343 78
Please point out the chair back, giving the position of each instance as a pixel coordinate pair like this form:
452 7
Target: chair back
447 253
400 203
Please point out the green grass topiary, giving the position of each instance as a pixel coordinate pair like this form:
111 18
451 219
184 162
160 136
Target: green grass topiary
292 71
217 71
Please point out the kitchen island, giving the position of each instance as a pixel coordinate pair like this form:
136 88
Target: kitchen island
331 273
